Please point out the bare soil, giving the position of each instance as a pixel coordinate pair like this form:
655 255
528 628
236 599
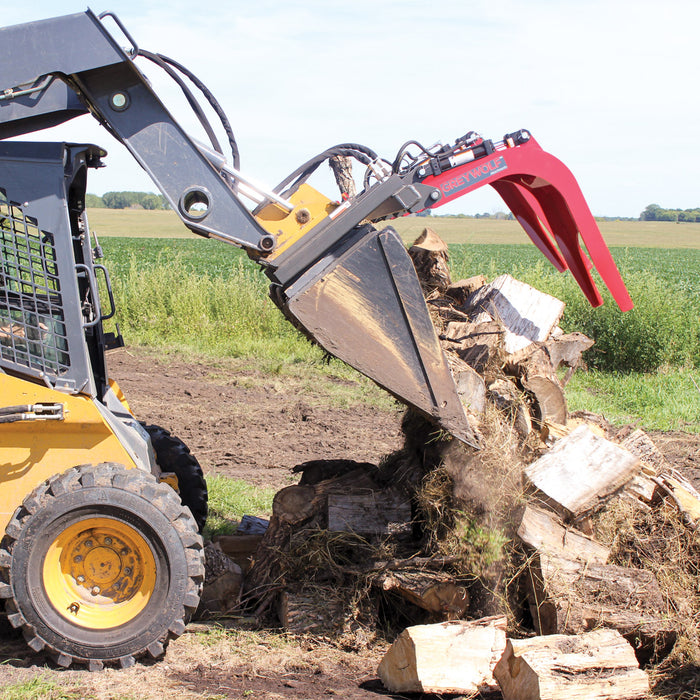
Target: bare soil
256 427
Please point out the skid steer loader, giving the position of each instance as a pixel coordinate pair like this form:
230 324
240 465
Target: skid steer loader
101 558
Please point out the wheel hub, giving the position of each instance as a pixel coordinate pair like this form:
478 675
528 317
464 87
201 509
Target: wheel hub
99 573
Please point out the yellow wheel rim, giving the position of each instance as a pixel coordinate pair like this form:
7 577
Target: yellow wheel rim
99 573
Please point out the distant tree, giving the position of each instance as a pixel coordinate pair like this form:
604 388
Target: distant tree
151 201
93 201
651 213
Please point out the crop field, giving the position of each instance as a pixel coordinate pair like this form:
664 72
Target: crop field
206 297
453 230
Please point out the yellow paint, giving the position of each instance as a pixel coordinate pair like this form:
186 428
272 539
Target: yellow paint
289 227
119 394
32 451
99 573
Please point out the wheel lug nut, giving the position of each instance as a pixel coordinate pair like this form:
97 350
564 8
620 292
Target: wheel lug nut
127 571
95 590
125 551
88 543
81 579
77 558
108 540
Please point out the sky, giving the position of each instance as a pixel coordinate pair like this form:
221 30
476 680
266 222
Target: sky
609 87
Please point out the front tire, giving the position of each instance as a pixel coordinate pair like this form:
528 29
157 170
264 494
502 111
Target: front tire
101 564
172 455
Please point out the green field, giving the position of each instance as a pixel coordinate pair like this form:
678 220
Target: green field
200 296
652 234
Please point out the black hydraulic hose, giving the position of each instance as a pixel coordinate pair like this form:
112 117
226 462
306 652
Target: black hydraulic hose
213 102
400 154
361 153
159 61
9 410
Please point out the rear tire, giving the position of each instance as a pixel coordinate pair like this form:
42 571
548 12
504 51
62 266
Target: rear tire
101 564
174 456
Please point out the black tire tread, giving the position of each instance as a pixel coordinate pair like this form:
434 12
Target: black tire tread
137 482
173 455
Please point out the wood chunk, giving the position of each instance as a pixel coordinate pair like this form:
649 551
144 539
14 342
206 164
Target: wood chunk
222 583
460 291
471 388
342 171
433 591
314 610
580 473
294 504
449 657
370 513
507 398
549 397
527 314
539 378
643 447
542 531
431 259
482 346
317 470
599 665
571 597
566 350
239 548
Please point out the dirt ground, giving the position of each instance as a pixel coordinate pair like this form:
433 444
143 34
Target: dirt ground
254 427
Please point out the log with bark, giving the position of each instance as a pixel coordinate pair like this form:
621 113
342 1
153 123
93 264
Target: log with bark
435 592
599 665
431 259
450 657
572 596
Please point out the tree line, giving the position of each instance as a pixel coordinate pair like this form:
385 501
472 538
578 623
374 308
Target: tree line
656 213
126 200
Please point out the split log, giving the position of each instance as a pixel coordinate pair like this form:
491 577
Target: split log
509 400
567 350
450 657
580 473
471 388
432 591
599 665
539 378
572 597
370 513
431 259
542 531
478 344
527 314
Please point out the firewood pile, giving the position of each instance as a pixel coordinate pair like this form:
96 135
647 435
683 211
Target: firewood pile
559 553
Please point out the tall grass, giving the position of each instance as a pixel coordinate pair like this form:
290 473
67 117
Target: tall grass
170 304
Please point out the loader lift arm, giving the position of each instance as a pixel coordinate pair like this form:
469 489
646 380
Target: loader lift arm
348 285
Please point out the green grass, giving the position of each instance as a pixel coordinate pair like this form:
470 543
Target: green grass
230 500
668 400
204 297
40 688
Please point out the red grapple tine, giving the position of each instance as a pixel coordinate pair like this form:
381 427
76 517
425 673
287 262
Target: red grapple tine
519 201
568 214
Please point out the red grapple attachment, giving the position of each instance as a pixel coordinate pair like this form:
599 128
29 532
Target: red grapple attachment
544 196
